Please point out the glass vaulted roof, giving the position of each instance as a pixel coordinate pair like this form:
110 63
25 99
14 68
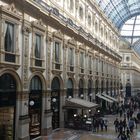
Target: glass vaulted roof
119 11
131 30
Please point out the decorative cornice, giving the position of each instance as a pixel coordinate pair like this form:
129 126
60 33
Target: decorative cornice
11 10
77 29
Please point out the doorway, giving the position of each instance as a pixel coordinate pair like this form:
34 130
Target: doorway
7 107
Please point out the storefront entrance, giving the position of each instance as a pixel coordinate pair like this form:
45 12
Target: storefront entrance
55 102
7 107
35 104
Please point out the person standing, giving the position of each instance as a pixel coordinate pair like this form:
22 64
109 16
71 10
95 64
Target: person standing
101 124
116 123
124 124
106 124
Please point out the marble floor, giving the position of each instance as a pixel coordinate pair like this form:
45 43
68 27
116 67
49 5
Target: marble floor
69 134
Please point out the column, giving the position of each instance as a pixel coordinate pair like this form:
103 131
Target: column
23 97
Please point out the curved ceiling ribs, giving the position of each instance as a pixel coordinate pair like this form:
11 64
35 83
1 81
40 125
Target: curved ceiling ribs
119 11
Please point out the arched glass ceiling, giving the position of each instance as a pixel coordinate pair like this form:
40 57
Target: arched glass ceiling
120 11
136 46
131 29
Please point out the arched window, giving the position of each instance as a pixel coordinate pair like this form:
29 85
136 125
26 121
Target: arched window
35 106
55 102
81 12
7 106
35 83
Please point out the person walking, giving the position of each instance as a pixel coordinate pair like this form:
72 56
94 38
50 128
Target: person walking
131 125
124 124
128 133
106 124
116 123
120 128
123 136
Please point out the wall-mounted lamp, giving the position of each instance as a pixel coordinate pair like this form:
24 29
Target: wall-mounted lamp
54 100
81 95
31 103
69 97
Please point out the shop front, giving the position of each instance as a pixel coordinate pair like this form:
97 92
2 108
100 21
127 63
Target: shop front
7 107
35 107
55 103
78 121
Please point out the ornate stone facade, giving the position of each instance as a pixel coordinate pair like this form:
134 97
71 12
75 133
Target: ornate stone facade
54 43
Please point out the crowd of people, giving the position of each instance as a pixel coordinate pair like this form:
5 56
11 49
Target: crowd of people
124 127
125 122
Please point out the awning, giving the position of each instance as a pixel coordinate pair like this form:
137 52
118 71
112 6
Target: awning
104 98
113 99
75 103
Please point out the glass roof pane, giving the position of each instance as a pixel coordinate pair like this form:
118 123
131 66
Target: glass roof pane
137 27
128 27
119 10
124 15
136 33
126 33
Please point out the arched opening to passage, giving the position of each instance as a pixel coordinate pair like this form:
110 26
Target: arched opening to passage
35 107
69 115
128 90
7 106
55 102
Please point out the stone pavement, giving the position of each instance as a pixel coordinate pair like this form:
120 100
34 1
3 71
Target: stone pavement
69 134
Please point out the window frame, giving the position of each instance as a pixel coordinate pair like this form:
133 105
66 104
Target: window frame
14 18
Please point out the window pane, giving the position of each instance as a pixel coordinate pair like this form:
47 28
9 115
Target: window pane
9 37
71 56
38 46
57 49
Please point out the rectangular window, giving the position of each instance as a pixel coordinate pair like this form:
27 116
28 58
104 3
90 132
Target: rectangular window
82 60
96 65
102 66
71 57
38 46
89 63
9 42
57 52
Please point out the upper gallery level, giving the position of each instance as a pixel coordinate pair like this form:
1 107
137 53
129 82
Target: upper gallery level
88 17
130 59
82 18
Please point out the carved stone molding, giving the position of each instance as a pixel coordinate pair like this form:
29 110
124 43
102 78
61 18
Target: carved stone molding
70 74
11 10
39 25
58 34
35 69
9 65
81 75
26 29
57 72
72 41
